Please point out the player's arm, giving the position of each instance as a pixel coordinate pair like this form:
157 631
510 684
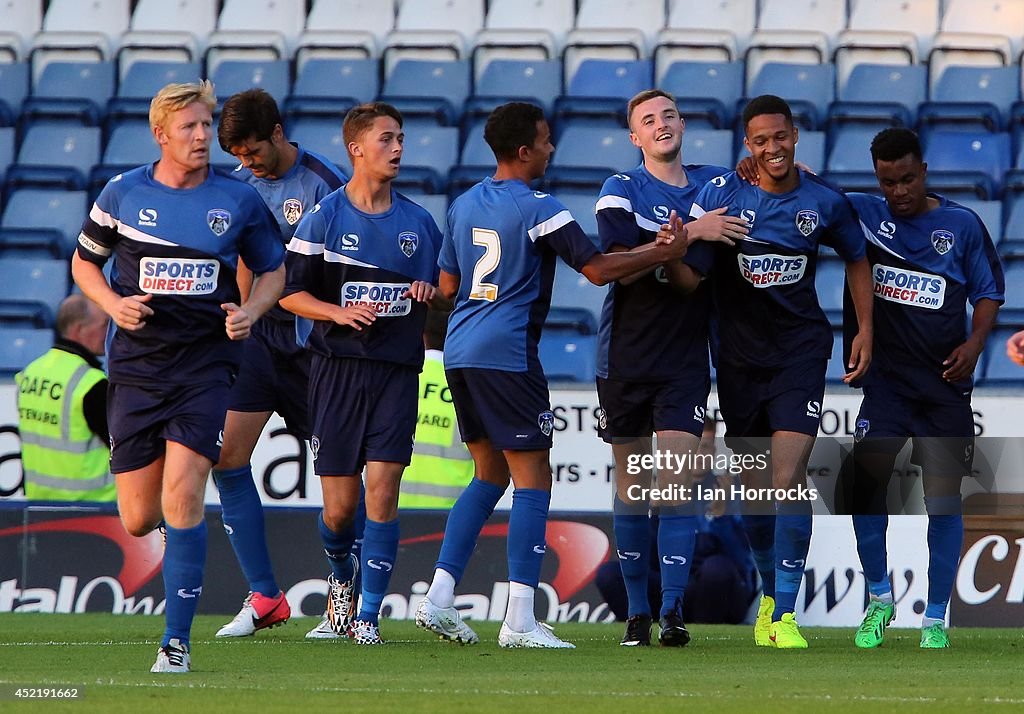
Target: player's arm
244 277
670 243
304 304
448 285
128 313
266 289
858 278
961 361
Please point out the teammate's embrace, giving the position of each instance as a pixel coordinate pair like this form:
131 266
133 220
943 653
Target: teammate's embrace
176 230
362 264
929 258
653 374
498 262
775 341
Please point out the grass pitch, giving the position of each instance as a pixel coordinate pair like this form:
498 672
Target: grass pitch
720 671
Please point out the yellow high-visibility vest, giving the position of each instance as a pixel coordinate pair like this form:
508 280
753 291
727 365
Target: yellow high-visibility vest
63 460
441 466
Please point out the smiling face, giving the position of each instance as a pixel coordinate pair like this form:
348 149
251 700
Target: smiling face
377 151
771 140
184 138
903 185
541 151
657 129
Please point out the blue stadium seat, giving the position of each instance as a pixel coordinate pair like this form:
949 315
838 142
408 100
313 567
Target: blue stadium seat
881 94
575 301
76 91
145 78
436 204
132 144
505 80
1013 309
973 161
232 76
586 155
708 146
14 85
21 345
567 356
991 214
428 90
829 280
1000 370
33 288
476 161
429 154
330 87
322 135
56 155
1011 244
836 370
600 89
706 92
809 89
810 149
47 208
6 148
31 243
581 205
851 148
972 97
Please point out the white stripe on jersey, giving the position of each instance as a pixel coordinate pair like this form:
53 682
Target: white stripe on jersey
305 247
696 211
332 257
647 224
560 219
102 218
610 201
872 238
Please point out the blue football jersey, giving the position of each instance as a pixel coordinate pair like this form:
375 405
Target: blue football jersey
344 256
502 241
768 310
649 330
925 270
182 247
310 179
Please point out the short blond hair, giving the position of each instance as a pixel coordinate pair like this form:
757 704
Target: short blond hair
174 97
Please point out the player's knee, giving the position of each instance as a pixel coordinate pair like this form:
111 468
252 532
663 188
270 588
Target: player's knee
339 517
139 524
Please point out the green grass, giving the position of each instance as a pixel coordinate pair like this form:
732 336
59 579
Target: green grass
720 670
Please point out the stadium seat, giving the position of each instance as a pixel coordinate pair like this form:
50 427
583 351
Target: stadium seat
881 94
705 32
47 208
433 30
322 135
575 301
567 356
538 81
233 76
1000 370
428 156
972 97
706 92
836 370
345 29
1012 310
704 146
885 32
76 91
991 214
145 78
243 34
6 148
829 279
21 345
602 88
476 160
614 30
972 160
31 243
979 32
437 205
432 90
77 31
586 155
851 148
56 155
809 88
581 205
355 80
131 144
22 21
799 31
512 34
33 288
14 86
164 31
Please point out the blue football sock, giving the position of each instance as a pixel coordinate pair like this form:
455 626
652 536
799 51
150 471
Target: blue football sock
184 561
792 541
633 547
380 548
676 537
527 524
337 547
760 532
243 521
467 517
945 539
870 532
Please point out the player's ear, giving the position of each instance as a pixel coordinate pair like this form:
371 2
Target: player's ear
277 135
355 149
523 153
635 139
159 135
796 134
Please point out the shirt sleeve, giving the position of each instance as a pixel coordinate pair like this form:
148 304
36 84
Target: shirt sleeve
447 259
565 236
708 198
844 234
616 222
984 271
700 256
261 245
306 254
99 232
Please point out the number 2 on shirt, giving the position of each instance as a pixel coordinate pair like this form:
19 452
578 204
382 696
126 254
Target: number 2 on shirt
488 263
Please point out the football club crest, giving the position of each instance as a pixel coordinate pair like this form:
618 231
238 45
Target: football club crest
942 241
806 222
408 242
218 220
861 429
546 422
292 209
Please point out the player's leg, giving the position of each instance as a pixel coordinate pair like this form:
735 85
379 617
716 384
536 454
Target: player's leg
341 498
138 498
242 510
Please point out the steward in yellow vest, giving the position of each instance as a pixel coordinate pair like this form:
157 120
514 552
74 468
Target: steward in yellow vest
62 412
441 465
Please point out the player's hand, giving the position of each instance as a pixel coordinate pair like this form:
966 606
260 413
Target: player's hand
238 323
715 226
356 317
131 311
961 362
674 236
1015 348
860 357
746 169
420 291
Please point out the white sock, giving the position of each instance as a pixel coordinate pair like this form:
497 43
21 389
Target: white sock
885 599
442 589
519 616
929 621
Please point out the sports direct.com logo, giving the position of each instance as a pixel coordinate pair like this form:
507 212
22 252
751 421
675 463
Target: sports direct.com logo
765 271
908 287
178 276
386 299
